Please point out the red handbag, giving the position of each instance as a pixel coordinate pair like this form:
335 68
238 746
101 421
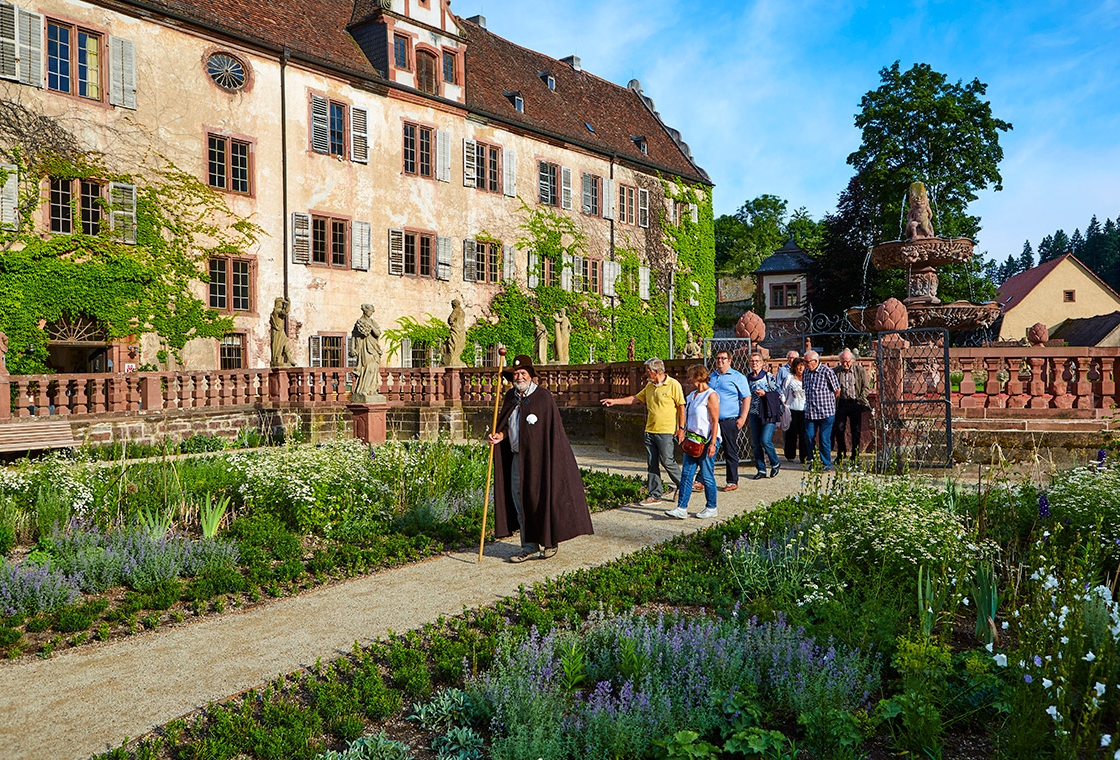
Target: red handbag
694 445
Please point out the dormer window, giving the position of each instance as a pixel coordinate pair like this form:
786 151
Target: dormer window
515 98
548 79
590 128
640 142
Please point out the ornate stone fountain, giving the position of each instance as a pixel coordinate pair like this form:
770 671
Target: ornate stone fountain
920 255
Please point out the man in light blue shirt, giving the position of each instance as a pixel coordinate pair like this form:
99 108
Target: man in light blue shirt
734 403
785 370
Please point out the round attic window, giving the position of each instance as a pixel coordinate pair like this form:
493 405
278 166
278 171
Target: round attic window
226 71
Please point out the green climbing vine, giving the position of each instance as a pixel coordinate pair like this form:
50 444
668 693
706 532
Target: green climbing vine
431 332
127 289
695 245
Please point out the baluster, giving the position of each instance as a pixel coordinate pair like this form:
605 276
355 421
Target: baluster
42 401
1082 387
1107 384
228 394
62 394
997 399
1062 375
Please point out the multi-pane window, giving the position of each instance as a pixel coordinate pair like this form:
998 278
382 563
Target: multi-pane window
328 241
784 296
73 60
338 129
231 284
426 76
547 183
91 207
62 213
90 200
333 350
419 254
488 167
592 187
449 67
417 150
231 351
228 164
400 51
487 261
591 275
627 204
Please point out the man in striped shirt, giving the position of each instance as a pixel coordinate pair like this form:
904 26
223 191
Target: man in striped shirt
821 390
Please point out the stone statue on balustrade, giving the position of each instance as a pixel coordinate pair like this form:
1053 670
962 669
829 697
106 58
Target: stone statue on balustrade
540 340
278 332
563 336
692 348
365 347
457 338
3 351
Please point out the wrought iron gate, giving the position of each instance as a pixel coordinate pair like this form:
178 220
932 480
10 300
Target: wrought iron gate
914 422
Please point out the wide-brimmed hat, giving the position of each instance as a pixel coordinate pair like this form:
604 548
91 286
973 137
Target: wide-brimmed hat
521 361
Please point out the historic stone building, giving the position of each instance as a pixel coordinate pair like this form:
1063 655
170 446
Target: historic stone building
388 150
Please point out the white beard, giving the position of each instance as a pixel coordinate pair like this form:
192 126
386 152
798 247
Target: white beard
522 387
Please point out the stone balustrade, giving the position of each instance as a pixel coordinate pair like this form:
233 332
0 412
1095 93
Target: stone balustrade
1043 380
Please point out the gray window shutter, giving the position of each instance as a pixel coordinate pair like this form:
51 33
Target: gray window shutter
396 252
509 172
9 69
443 258
301 238
566 188
443 155
643 283
586 194
611 270
608 199
544 182
470 261
122 73
122 214
643 208
406 352
470 159
9 197
315 351
359 135
534 270
31 49
320 124
509 263
351 358
566 272
360 245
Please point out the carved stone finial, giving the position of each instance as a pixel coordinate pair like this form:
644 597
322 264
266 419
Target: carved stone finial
1037 334
891 315
750 325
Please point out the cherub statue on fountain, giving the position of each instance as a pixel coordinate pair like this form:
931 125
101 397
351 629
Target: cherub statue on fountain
919 219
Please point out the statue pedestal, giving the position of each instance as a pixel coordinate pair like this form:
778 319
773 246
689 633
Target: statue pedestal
369 421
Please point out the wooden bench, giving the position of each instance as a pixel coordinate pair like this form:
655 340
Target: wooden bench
36 435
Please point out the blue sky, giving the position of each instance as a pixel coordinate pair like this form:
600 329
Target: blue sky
765 92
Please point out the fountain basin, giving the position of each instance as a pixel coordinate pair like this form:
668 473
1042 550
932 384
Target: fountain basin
921 253
958 315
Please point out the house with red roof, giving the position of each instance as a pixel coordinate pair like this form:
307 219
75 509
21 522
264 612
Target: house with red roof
1052 293
390 150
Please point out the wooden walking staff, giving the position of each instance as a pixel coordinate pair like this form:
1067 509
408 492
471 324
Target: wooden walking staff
490 464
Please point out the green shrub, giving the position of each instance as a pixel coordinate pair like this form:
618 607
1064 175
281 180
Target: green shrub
215 581
7 539
164 594
74 618
201 443
9 637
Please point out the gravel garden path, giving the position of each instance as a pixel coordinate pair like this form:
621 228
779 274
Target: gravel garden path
91 698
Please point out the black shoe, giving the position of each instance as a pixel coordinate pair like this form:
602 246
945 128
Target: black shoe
774 470
759 476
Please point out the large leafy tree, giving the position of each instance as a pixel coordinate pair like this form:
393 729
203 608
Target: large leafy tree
919 126
760 227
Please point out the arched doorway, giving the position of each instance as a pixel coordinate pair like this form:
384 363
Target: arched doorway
78 345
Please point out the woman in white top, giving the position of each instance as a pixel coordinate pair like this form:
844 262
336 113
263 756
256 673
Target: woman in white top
700 417
794 393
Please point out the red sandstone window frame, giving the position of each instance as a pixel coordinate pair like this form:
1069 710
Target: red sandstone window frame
420 49
242 359
592 276
408 41
554 190
75 205
417 154
230 138
229 308
488 261
596 208
418 237
333 223
451 55
102 59
488 166
627 212
1069 296
341 337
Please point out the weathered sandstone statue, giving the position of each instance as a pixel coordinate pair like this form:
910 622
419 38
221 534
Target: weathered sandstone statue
457 339
278 333
540 340
919 218
365 347
563 335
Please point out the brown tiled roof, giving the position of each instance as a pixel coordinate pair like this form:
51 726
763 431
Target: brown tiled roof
1014 289
496 67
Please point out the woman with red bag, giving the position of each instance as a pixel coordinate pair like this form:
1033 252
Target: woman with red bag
698 436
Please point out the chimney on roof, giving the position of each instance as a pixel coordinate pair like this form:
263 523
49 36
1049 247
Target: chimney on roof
573 61
479 19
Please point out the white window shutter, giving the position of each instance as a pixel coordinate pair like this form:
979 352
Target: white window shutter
31 49
470 161
470 261
9 68
608 199
406 352
443 155
9 197
643 283
315 351
359 135
360 245
509 263
643 208
566 188
351 358
396 252
443 258
579 283
694 294
122 73
585 195
566 272
122 216
320 124
534 270
695 211
509 173
611 270
301 238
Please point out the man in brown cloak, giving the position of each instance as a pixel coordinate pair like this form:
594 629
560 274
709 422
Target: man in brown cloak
537 482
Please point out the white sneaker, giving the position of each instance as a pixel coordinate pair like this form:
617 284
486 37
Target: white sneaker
706 513
678 513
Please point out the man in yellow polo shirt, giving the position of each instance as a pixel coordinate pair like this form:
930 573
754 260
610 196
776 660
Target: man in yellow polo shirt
664 400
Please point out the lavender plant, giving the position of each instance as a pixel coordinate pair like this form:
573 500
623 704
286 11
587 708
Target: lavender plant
27 589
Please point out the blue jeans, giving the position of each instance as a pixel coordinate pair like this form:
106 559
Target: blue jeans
824 428
659 451
762 439
707 467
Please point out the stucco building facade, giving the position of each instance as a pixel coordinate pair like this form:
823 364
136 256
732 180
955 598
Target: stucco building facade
389 151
